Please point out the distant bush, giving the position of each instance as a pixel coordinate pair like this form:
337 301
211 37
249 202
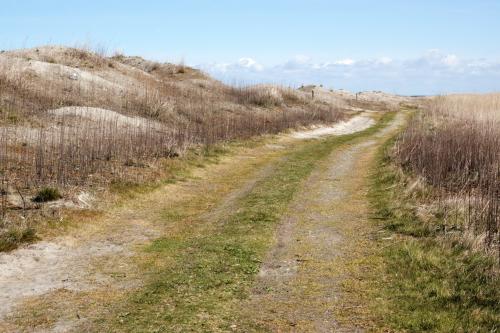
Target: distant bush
47 194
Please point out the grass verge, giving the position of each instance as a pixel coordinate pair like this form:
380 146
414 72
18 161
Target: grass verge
429 282
197 278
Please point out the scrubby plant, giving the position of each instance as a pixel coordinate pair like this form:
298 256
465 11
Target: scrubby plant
47 194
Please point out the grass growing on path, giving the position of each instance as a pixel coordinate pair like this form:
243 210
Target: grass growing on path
430 283
196 277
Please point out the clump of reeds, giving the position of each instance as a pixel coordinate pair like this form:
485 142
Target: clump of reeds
455 147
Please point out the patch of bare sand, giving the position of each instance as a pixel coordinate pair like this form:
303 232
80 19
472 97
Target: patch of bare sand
355 124
104 115
14 68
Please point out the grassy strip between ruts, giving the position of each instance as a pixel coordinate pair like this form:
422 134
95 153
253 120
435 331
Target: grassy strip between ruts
428 281
196 279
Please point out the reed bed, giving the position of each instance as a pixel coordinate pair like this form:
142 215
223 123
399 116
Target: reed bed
455 147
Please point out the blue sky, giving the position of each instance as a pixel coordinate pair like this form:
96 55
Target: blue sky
409 47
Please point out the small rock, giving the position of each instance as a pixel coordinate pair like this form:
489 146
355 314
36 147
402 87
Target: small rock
73 76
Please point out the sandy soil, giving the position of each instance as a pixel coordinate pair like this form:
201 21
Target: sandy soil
15 67
353 125
46 266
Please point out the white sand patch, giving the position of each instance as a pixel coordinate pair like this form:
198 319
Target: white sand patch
104 115
29 135
46 266
353 125
83 200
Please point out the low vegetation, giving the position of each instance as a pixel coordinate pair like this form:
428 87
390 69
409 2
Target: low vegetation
438 269
13 237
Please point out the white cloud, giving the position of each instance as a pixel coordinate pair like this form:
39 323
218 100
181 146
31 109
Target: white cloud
451 60
345 62
433 72
384 61
250 63
435 57
302 59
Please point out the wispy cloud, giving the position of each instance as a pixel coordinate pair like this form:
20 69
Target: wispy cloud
433 72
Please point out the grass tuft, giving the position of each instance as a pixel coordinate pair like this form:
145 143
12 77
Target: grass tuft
11 239
47 194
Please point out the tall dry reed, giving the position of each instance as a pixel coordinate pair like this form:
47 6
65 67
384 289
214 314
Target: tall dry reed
455 147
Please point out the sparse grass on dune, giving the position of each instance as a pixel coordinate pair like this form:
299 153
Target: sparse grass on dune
181 110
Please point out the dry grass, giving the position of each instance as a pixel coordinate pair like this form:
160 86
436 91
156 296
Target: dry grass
158 112
455 147
191 113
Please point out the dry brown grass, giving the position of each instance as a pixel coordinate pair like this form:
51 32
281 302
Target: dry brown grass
175 107
455 147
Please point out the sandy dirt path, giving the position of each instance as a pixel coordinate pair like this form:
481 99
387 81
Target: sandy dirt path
297 289
51 285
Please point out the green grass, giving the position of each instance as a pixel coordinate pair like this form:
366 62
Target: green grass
11 239
431 282
196 278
